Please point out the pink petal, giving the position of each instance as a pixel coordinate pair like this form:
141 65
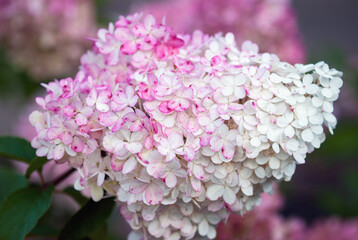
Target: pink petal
129 47
77 144
116 164
92 97
53 133
107 119
152 79
139 30
81 119
136 126
148 142
164 107
228 150
153 194
66 137
123 34
69 111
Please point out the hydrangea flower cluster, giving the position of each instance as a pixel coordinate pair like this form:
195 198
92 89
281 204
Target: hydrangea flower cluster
183 129
271 24
46 37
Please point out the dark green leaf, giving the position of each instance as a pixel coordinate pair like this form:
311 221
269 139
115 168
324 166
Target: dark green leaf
101 233
36 164
17 148
76 195
87 219
44 231
11 181
21 210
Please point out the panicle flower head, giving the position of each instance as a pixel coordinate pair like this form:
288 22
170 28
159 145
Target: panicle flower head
183 129
46 37
270 23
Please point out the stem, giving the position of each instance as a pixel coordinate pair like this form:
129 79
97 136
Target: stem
42 180
63 176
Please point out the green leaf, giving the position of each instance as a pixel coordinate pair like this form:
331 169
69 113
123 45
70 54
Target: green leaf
44 231
17 148
21 210
100 233
87 219
36 164
76 195
11 181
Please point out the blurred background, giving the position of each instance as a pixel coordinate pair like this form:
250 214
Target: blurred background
41 40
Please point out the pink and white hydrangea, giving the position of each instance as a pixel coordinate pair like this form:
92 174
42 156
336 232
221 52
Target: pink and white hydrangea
183 129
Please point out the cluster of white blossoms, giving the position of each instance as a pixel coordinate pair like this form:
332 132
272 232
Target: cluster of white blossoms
183 129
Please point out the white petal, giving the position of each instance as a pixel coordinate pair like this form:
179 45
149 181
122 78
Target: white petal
96 192
214 192
260 172
307 135
248 191
129 165
274 163
203 227
292 144
229 196
327 106
289 131
171 180
317 102
255 142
